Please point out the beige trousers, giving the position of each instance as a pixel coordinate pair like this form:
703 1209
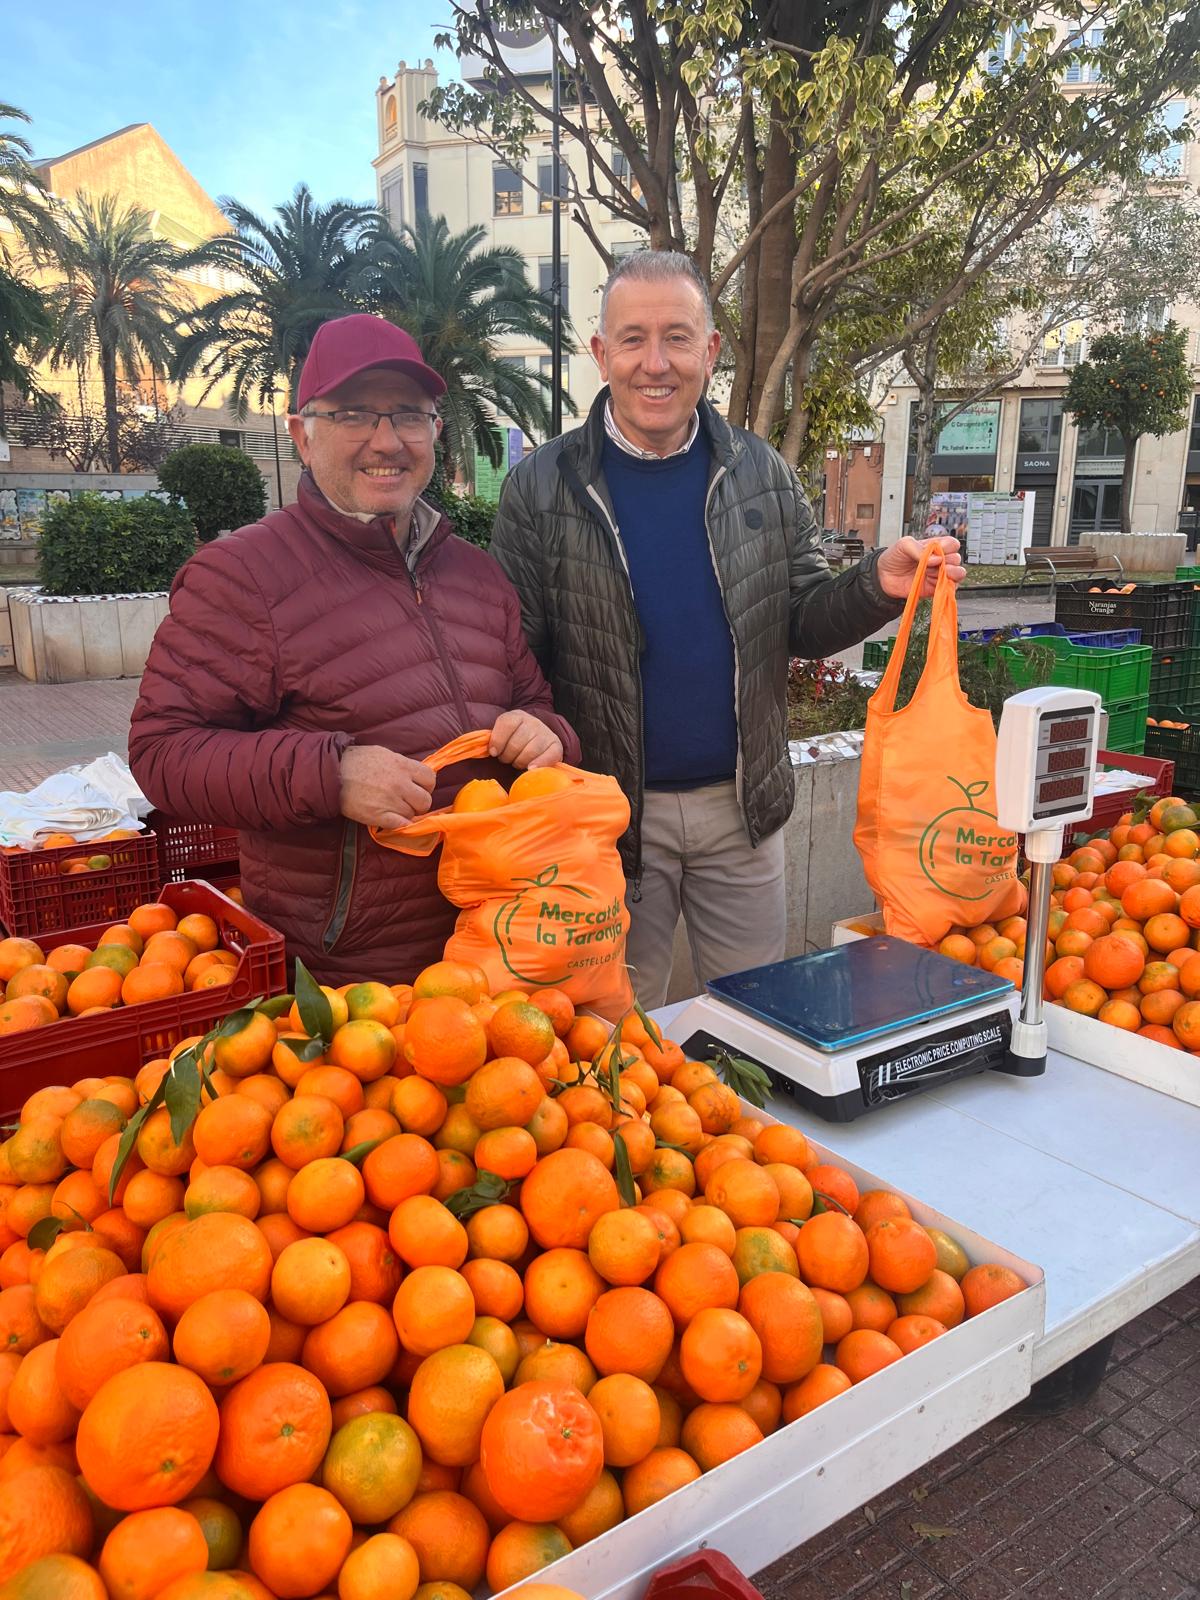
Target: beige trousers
696 858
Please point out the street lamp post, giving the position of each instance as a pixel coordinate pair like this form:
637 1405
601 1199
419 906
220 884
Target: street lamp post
556 332
278 468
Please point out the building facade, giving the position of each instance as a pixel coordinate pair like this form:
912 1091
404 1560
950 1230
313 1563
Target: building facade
423 167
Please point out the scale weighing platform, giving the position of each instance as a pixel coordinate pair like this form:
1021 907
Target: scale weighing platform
848 1029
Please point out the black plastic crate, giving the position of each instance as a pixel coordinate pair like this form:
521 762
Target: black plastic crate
1163 611
1175 683
1182 746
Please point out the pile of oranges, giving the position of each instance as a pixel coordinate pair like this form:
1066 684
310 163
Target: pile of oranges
416 1298
485 794
1124 932
151 955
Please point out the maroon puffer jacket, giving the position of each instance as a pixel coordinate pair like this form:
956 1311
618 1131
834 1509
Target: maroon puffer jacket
285 643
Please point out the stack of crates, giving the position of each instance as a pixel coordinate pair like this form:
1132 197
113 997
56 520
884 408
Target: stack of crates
1111 662
1167 615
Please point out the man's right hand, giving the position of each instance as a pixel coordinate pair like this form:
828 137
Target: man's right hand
383 789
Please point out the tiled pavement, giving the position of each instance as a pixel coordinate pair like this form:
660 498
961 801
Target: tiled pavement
1101 1502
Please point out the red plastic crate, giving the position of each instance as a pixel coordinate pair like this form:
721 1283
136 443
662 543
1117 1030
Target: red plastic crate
704 1575
1110 808
37 897
123 1040
192 849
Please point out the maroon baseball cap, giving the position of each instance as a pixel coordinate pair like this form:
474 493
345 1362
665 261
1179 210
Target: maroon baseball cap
343 348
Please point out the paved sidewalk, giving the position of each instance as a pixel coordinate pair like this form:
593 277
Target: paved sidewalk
47 726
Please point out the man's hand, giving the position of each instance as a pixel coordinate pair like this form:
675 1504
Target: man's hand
383 789
897 566
520 740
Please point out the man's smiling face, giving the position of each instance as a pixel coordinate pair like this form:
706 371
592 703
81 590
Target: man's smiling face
382 474
656 354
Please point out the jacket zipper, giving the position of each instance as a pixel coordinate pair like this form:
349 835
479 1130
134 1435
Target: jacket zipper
439 644
343 890
737 660
616 533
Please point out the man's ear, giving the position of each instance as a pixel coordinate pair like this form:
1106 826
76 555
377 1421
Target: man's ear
299 435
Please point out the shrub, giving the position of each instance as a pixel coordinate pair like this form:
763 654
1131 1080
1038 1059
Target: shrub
221 486
472 517
94 546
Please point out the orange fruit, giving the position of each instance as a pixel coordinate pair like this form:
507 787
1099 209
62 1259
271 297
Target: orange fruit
383 1565
832 1252
561 1287
15 954
275 1425
902 1254
147 1436
497 1289
150 1550
863 1352
453 978
911 1332
986 1285
299 1540
823 1383
629 1330
444 1041
564 1195
787 1319
356 1348
43 1512
542 1450
1061 974
720 1354
713 1434
450 1537
217 1251
940 1297
1186 1025
1166 931
106 1337
222 1336
325 1194
433 1308
522 1031
1085 997
655 1477
1113 962
451 1395
372 1466
694 1277
506 1091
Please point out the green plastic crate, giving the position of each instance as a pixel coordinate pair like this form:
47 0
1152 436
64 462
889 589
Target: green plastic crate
1127 726
1187 574
1115 675
876 653
1175 684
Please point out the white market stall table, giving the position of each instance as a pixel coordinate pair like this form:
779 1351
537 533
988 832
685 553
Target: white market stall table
1094 1178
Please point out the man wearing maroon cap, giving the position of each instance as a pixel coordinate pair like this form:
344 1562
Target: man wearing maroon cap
312 660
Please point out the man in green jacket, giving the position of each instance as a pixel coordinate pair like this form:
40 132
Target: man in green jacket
668 566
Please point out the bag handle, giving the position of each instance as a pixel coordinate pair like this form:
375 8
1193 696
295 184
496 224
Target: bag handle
942 657
467 747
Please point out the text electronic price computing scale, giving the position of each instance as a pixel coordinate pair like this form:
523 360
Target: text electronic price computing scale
845 1030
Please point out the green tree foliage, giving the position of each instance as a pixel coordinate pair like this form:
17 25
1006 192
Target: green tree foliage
117 303
24 202
292 274
1136 383
90 545
459 300
845 128
220 486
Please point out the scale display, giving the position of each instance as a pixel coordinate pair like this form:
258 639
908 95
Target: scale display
857 991
1046 758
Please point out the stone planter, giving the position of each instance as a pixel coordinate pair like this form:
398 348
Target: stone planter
63 638
824 873
1140 552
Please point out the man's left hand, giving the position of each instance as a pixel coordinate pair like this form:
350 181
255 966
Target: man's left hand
520 740
897 566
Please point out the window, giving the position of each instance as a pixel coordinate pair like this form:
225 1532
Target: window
619 162
517 363
1151 317
864 513
1010 46
545 181
508 199
1168 162
1082 69
546 279
389 117
420 189
546 368
1194 438
1100 441
393 198
1063 347
627 247
1040 429
231 437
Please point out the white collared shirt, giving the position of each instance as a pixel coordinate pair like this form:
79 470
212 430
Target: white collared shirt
622 443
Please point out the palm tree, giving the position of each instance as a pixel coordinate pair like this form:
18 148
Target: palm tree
290 277
24 202
459 301
118 303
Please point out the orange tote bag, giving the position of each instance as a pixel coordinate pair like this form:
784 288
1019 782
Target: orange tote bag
539 884
927 833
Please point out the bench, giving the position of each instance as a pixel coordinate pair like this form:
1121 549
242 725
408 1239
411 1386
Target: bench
1076 561
841 552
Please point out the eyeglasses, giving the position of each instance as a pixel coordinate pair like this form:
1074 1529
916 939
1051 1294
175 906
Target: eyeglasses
408 422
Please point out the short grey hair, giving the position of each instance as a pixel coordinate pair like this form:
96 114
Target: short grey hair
655 266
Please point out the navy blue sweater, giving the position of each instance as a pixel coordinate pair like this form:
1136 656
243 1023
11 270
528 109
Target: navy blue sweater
690 725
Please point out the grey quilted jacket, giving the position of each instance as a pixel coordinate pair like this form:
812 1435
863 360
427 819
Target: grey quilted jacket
556 537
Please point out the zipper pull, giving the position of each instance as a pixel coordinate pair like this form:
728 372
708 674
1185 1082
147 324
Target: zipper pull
416 583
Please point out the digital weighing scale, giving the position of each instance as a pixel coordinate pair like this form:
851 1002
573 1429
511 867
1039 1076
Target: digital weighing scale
846 1030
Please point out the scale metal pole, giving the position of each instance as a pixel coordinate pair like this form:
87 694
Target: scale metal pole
556 398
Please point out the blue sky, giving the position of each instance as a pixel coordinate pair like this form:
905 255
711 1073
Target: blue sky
252 97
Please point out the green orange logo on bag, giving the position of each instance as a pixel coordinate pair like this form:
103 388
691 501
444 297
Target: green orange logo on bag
964 851
556 923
